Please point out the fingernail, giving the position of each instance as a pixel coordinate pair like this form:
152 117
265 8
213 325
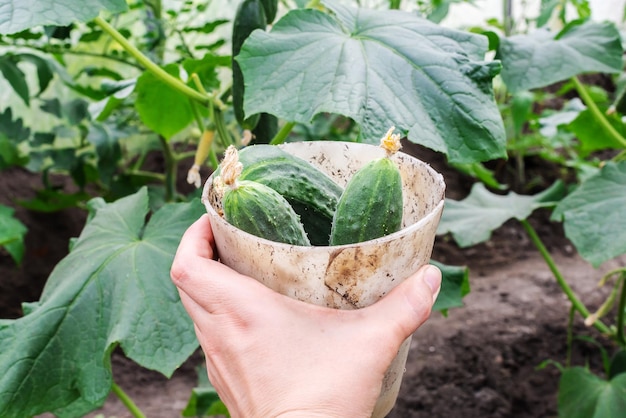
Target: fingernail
432 277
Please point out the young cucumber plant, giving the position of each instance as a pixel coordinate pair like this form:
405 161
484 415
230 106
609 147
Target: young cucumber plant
588 213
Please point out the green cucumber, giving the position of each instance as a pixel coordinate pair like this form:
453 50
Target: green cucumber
312 194
254 207
250 15
371 205
261 211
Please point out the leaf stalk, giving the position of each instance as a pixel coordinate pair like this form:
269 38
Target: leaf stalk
150 65
127 401
597 113
171 165
621 312
576 303
283 133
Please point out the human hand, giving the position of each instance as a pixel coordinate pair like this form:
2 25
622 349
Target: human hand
271 356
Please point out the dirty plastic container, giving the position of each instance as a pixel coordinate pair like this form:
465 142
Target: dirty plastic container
346 276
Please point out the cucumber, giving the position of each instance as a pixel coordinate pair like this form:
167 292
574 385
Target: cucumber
261 211
256 208
371 205
250 15
312 194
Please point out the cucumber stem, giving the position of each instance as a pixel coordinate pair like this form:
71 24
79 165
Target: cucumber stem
196 114
596 113
576 303
570 335
127 401
282 134
171 165
150 65
621 313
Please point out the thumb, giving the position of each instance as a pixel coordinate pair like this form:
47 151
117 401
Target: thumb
409 304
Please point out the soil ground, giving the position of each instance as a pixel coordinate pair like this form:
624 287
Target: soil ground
480 361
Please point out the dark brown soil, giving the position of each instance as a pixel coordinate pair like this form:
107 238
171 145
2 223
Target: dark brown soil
479 362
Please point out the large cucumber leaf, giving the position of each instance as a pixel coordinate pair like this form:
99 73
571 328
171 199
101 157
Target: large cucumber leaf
17 15
582 394
112 289
593 215
380 68
542 57
472 220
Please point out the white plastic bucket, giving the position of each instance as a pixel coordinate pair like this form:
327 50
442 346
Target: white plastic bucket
347 276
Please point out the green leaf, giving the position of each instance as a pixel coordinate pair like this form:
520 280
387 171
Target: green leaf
591 134
108 149
204 400
162 108
472 220
10 154
618 363
380 68
592 215
12 233
18 15
482 173
521 108
454 286
45 72
113 289
549 125
206 69
15 77
585 395
13 129
546 11
542 58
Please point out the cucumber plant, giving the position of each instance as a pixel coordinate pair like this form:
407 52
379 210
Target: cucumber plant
154 80
586 138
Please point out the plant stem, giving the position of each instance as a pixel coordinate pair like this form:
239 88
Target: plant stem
312 4
576 303
150 65
53 49
127 401
184 155
596 113
198 83
283 133
171 164
394 4
621 314
147 175
570 336
507 16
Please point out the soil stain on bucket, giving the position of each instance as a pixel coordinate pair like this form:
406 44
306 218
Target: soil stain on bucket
344 270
